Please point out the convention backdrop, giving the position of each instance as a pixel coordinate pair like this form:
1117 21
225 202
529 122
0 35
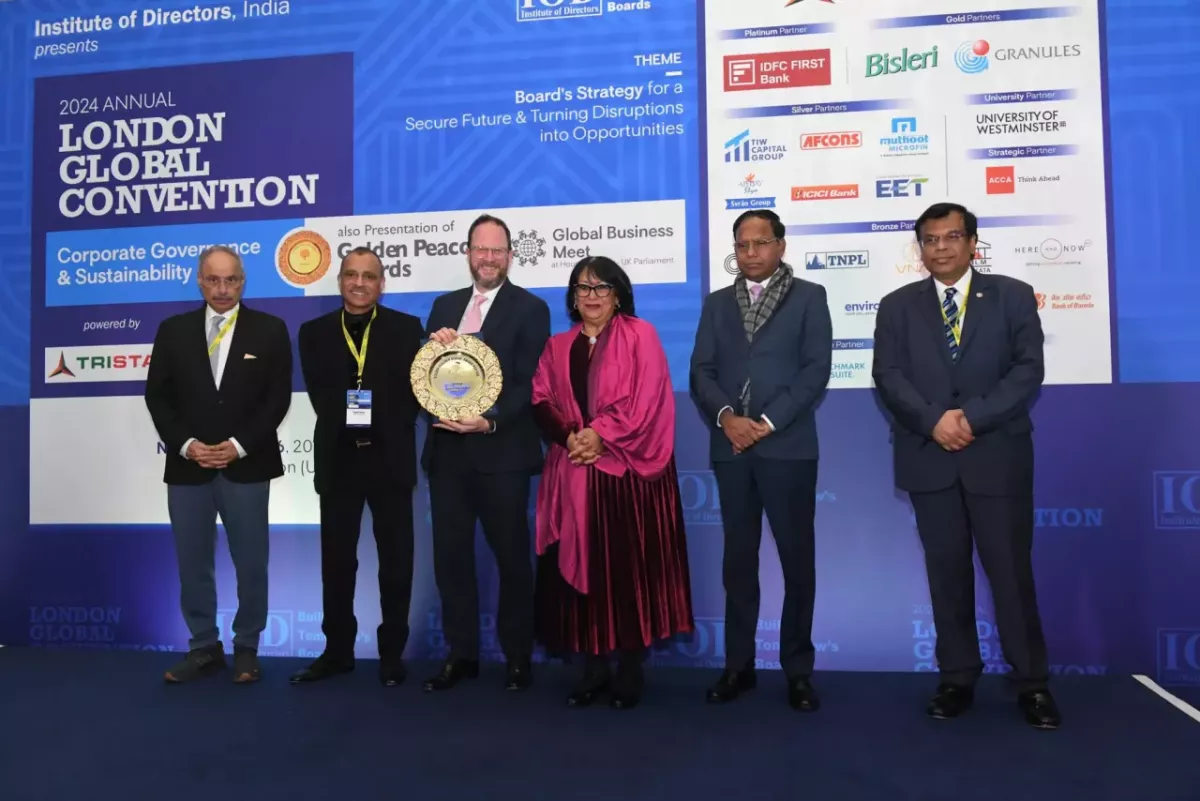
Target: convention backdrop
133 135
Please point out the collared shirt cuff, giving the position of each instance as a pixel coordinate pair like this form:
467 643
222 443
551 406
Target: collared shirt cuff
491 426
767 420
183 451
723 410
241 451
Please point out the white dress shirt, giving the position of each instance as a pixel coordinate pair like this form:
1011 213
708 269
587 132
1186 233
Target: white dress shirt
962 286
763 283
222 357
490 295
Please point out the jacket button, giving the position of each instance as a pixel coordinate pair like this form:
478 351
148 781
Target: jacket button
955 394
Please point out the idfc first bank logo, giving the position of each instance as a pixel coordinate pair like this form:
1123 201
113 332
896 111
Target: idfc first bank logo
542 10
1177 499
783 70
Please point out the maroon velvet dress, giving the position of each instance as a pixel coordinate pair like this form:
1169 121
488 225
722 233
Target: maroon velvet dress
639 586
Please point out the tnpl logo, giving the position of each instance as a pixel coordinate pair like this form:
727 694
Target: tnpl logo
541 10
899 187
1175 499
1001 180
1179 657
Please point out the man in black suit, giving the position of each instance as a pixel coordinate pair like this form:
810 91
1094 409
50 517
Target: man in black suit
958 362
480 468
761 362
219 385
356 364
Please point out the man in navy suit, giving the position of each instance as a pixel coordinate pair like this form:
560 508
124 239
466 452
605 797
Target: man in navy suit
480 468
760 364
958 362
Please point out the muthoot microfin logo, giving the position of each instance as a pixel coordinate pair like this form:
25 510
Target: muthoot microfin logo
97 363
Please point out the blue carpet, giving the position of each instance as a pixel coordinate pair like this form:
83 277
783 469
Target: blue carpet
101 725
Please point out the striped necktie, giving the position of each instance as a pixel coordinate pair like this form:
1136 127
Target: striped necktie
950 323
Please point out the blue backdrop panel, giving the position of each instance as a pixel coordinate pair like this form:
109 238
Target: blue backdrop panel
1118 474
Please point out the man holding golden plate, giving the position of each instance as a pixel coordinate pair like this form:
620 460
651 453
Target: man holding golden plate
475 377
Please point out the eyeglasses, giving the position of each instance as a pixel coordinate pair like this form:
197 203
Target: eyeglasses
600 290
952 238
480 250
216 280
745 247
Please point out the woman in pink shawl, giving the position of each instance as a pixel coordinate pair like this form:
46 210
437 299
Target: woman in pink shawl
613 573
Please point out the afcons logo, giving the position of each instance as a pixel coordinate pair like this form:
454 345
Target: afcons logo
972 57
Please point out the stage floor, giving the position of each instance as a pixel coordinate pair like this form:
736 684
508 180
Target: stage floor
102 725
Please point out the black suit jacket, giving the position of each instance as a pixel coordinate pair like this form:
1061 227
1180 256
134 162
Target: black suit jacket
255 393
516 328
328 369
995 380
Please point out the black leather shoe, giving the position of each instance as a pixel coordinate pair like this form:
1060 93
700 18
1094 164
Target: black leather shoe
628 683
732 684
1040 710
392 672
518 676
950 701
801 695
454 671
596 681
325 667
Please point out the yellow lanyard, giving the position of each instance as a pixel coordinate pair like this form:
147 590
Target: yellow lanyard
216 343
360 356
956 329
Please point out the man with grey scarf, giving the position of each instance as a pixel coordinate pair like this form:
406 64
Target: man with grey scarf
759 367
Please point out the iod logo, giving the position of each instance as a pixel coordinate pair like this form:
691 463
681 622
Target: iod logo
542 10
1176 499
1179 657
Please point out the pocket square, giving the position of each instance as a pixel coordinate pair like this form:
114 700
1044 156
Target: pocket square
249 356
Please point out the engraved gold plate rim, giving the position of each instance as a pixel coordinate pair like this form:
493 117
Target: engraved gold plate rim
477 400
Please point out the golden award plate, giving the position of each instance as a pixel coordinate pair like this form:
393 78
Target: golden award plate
456 381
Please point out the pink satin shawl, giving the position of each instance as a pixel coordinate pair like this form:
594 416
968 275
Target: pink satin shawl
632 409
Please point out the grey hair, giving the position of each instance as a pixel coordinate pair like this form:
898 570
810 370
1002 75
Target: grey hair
211 249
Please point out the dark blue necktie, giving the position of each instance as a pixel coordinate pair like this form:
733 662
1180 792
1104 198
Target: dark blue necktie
950 321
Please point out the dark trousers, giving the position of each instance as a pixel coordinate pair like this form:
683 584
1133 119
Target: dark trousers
193 510
1002 529
459 495
787 491
360 480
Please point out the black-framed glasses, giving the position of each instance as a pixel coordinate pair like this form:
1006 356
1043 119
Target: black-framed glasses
600 290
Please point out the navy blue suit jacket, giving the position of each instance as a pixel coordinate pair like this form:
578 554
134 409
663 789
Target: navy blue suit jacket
516 328
995 380
788 366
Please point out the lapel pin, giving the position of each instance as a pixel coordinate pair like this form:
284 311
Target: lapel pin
979 294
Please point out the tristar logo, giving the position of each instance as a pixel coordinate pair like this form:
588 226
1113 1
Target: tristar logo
97 363
542 10
900 187
905 139
837 260
744 147
781 70
830 141
904 61
1000 180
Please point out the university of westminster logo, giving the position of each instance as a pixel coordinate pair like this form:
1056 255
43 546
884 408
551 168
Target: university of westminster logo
61 368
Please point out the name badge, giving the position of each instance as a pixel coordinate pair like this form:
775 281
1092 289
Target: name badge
358 408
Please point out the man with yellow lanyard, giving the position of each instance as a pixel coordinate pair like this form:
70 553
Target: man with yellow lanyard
958 388
356 363
218 388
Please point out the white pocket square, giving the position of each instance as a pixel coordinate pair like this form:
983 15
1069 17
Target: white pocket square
249 356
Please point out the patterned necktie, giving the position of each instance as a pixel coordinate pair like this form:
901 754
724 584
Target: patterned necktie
214 355
474 319
756 291
950 309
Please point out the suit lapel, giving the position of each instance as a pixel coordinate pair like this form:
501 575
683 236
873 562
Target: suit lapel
929 303
457 306
979 307
501 305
